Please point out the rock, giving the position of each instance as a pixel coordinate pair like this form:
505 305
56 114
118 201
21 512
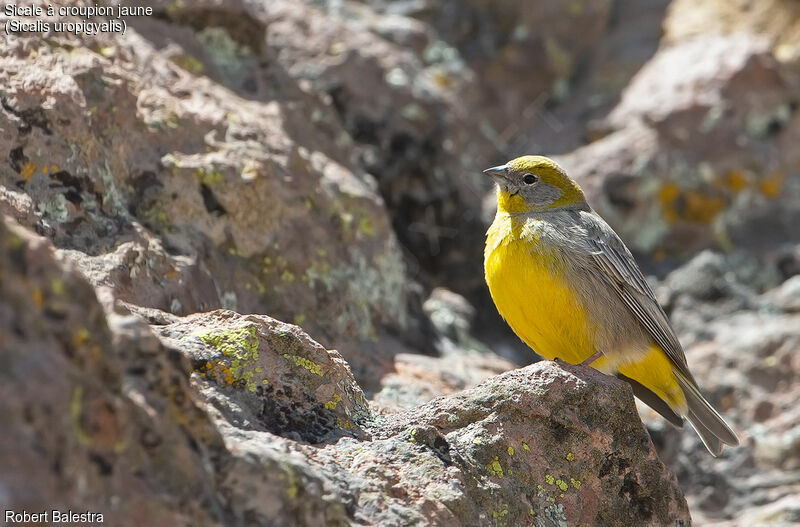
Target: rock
319 163
535 453
775 20
185 194
275 429
267 375
787 295
743 349
97 415
680 117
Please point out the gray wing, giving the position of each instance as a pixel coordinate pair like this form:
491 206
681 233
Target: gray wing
612 257
619 268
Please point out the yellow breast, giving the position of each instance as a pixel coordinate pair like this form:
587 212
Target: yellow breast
525 279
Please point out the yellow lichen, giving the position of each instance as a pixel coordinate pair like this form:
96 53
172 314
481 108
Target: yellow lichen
501 512
213 177
570 456
365 225
38 297
562 484
510 451
525 446
575 483
240 346
331 405
667 195
694 205
771 186
57 286
304 363
495 468
28 171
701 207
549 479
735 180
81 337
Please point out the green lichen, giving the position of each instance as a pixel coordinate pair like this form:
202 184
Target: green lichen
495 468
344 423
209 178
562 484
292 482
500 513
525 446
188 63
76 411
366 226
331 405
549 479
240 346
57 286
412 435
510 451
575 483
304 363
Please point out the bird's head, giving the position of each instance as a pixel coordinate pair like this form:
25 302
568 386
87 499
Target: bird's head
535 183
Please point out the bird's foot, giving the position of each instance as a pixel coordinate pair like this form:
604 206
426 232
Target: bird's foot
582 367
590 360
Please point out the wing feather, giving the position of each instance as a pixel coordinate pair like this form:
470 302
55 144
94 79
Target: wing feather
615 260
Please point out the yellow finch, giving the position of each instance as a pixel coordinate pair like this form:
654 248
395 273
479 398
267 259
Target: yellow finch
570 289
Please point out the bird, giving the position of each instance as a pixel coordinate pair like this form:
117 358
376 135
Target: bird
571 290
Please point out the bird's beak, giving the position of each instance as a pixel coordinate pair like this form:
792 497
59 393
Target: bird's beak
498 173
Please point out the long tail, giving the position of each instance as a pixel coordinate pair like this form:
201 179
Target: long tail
710 426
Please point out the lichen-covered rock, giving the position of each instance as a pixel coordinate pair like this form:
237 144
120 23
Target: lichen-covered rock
185 194
665 176
264 374
547 445
274 429
97 416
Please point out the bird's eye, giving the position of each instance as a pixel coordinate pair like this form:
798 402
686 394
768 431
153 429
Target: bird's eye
530 179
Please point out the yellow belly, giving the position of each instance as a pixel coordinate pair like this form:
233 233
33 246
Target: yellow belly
537 304
528 289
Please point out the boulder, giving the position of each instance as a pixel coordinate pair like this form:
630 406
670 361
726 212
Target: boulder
229 419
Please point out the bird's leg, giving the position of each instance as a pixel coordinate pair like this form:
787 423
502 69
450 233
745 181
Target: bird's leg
590 360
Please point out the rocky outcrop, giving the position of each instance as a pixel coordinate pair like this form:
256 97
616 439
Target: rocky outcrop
228 172
666 162
240 419
744 345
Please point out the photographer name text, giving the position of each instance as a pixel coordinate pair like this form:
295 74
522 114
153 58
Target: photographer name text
52 516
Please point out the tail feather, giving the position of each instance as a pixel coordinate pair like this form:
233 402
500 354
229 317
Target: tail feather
710 426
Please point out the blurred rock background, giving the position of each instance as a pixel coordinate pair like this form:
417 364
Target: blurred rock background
319 162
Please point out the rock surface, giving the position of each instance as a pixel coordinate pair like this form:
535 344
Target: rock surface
228 164
274 428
